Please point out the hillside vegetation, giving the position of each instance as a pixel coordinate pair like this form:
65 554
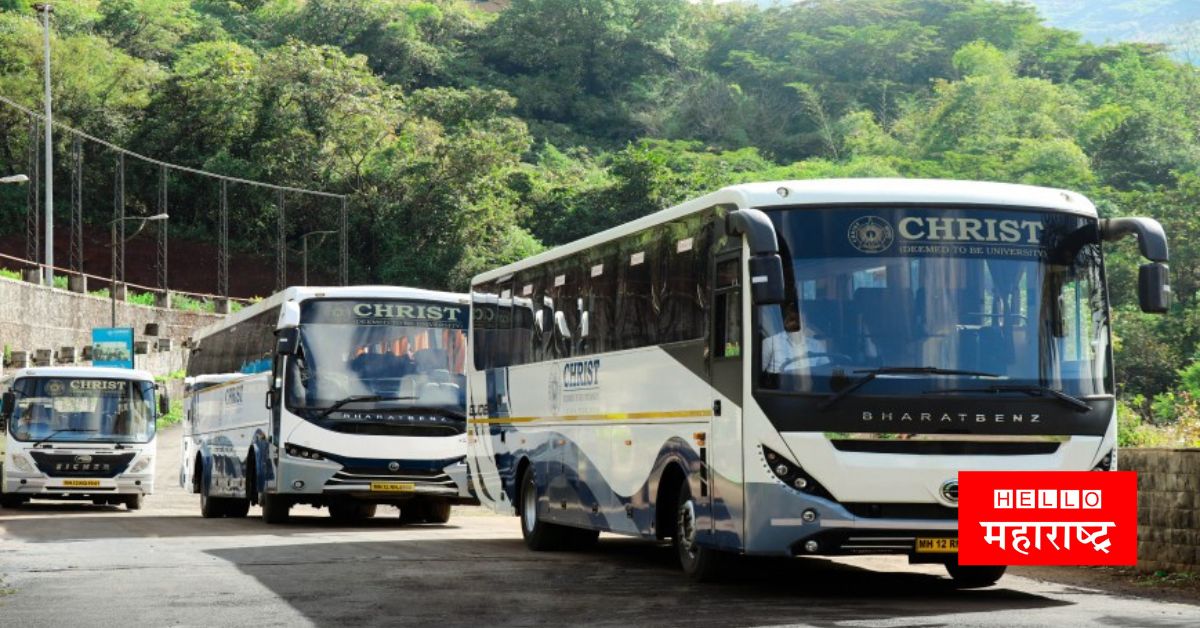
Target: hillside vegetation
468 137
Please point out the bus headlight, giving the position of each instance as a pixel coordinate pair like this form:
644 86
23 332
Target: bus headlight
297 451
792 475
22 463
141 465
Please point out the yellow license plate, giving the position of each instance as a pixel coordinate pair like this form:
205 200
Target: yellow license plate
81 483
393 487
937 546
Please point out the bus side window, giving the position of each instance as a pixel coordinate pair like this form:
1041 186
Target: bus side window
727 310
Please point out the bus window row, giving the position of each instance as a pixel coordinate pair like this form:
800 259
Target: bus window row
646 289
244 348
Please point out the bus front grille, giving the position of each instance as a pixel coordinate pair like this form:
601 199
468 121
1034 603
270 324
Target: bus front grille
71 465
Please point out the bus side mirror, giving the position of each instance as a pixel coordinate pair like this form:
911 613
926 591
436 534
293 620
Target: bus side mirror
164 404
9 405
766 279
1154 289
287 341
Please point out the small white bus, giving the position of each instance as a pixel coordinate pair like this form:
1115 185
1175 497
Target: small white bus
79 433
799 367
344 398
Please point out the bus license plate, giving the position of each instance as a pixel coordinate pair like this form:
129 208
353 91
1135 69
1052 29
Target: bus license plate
81 483
937 546
393 487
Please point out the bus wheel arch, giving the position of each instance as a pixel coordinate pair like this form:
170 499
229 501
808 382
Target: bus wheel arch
519 484
666 497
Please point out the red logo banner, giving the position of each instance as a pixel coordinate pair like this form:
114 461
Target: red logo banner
1047 518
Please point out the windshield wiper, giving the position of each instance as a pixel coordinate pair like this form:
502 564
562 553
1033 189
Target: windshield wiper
1034 391
354 398
871 374
57 432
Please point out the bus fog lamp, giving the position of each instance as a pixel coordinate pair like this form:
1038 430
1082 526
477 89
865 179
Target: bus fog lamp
809 516
811 546
800 483
298 484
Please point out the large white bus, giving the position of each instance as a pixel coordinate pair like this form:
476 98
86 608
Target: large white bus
343 398
798 367
79 433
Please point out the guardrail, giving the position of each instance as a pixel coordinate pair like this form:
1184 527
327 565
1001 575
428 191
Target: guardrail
76 281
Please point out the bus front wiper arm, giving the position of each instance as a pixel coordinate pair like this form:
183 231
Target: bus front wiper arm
871 374
354 398
57 432
1035 391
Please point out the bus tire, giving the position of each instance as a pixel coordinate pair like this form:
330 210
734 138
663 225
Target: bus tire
237 508
275 508
699 563
975 576
11 501
539 535
351 512
134 502
210 507
412 511
437 512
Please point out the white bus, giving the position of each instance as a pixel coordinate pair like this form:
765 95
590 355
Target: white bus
79 433
343 398
798 367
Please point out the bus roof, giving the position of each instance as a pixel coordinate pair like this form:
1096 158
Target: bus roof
768 194
85 371
303 293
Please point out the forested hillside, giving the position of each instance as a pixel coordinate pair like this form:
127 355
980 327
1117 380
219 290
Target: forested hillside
470 137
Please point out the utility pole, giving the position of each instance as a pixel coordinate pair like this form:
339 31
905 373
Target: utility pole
46 9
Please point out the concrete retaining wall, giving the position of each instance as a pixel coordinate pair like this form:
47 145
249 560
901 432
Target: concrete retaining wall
34 317
1168 507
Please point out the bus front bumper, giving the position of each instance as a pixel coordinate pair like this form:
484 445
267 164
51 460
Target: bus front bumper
330 479
36 485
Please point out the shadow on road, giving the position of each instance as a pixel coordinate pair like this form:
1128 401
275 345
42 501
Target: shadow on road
50 522
622 582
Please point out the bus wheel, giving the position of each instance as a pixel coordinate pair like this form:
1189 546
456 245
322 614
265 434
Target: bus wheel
702 564
540 536
437 512
351 512
974 576
134 502
412 511
275 508
210 507
11 501
237 508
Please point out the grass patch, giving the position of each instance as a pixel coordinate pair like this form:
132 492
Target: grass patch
140 298
9 274
189 304
172 417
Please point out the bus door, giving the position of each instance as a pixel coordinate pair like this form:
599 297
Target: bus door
723 447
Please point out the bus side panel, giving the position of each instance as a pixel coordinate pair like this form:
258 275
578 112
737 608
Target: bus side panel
224 424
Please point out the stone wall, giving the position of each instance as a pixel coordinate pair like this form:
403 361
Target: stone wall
1168 507
34 317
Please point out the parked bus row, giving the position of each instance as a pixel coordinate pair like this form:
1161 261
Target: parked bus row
784 368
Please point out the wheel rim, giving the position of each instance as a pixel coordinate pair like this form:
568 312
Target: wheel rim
529 507
685 529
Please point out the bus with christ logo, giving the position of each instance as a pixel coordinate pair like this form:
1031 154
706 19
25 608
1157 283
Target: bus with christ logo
79 433
799 367
343 398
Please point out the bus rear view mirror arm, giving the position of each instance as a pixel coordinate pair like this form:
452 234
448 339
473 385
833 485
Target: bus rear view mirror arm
1152 241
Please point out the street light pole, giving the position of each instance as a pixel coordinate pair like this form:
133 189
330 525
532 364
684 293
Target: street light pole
46 9
304 249
112 286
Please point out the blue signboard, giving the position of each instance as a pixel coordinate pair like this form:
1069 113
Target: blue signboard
112 346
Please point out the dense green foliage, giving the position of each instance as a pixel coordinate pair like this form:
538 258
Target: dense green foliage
469 138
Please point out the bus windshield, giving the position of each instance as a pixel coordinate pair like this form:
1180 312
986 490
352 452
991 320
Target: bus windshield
393 354
1017 295
73 409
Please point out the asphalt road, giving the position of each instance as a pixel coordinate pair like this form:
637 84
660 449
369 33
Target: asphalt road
67 564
